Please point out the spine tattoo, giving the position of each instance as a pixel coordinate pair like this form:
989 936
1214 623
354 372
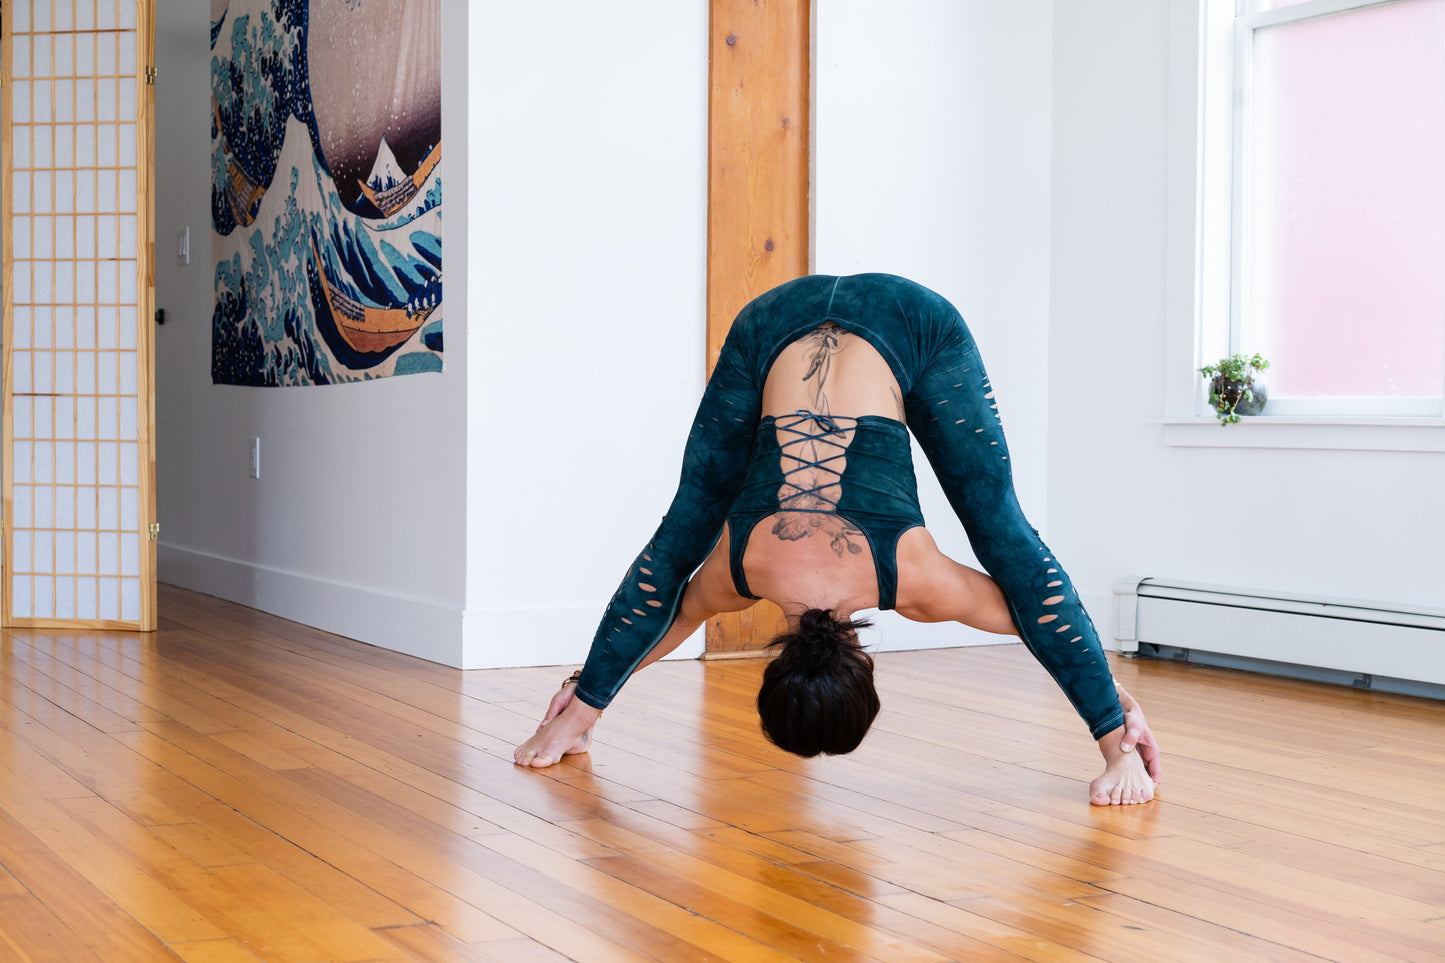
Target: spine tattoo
807 500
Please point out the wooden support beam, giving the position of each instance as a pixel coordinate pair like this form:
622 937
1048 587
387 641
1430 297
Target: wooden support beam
757 236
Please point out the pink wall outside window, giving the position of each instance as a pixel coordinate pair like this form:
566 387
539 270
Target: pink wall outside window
1345 231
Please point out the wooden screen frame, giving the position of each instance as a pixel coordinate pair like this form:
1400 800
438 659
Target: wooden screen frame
145 333
758 233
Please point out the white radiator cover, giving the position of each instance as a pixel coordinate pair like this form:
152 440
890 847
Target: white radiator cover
1390 640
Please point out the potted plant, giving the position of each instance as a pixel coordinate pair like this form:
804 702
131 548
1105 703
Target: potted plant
1233 390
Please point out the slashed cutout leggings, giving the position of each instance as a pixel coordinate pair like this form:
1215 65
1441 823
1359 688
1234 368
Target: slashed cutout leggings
952 412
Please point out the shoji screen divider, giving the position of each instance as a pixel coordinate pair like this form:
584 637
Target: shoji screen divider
79 466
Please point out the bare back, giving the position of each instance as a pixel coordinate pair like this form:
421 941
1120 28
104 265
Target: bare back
831 372
811 556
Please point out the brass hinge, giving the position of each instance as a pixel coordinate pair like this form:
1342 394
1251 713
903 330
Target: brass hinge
151 76
155 531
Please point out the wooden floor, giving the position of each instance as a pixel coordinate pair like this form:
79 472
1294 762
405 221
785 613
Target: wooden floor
236 787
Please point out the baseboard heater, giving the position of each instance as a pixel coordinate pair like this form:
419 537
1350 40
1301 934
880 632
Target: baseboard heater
1375 645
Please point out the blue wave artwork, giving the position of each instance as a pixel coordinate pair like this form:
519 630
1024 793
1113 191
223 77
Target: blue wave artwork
326 190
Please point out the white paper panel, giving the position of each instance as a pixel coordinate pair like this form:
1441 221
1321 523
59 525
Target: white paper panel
20 239
20 58
23 409
77 542
64 145
20 151
65 549
130 599
20 595
85 607
44 596
65 598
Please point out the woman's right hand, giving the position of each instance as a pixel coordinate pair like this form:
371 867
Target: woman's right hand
567 730
1138 737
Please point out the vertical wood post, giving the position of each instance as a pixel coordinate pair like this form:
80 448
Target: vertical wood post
757 235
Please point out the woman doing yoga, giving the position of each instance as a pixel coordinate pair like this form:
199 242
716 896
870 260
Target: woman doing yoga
797 486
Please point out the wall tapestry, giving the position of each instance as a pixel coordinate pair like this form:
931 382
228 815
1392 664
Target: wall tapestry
326 191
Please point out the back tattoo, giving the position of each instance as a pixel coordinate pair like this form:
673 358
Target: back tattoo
811 513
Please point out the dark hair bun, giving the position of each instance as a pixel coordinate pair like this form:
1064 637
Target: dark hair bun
817 695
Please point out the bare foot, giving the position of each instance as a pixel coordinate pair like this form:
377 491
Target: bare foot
568 733
1126 780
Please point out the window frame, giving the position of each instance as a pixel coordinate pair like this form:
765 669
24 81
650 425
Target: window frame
1209 72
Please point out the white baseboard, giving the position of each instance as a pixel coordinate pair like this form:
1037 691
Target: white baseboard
408 625
480 639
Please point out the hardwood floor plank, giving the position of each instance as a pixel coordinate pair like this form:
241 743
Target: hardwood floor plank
712 870
214 951
330 883
264 911
133 671
76 693
1260 915
86 850
1082 926
835 888
517 951
774 935
1193 937
415 893
998 938
26 772
30 931
429 943
705 938
105 930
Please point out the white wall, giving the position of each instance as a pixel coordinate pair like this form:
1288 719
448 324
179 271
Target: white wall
394 511
588 223
931 156
1356 524
345 529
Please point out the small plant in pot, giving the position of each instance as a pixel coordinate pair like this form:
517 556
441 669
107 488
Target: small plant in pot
1233 388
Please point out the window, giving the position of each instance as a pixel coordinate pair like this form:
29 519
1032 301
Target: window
1331 258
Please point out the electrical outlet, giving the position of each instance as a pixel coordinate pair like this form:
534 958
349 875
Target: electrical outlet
255 458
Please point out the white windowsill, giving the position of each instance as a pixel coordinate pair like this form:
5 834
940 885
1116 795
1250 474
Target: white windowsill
1324 433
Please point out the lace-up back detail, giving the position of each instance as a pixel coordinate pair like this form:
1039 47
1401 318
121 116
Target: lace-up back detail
813 454
846 480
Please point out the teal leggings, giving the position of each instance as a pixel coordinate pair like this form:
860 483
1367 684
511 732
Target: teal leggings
952 412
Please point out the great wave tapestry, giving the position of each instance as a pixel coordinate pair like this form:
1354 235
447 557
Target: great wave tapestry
326 190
